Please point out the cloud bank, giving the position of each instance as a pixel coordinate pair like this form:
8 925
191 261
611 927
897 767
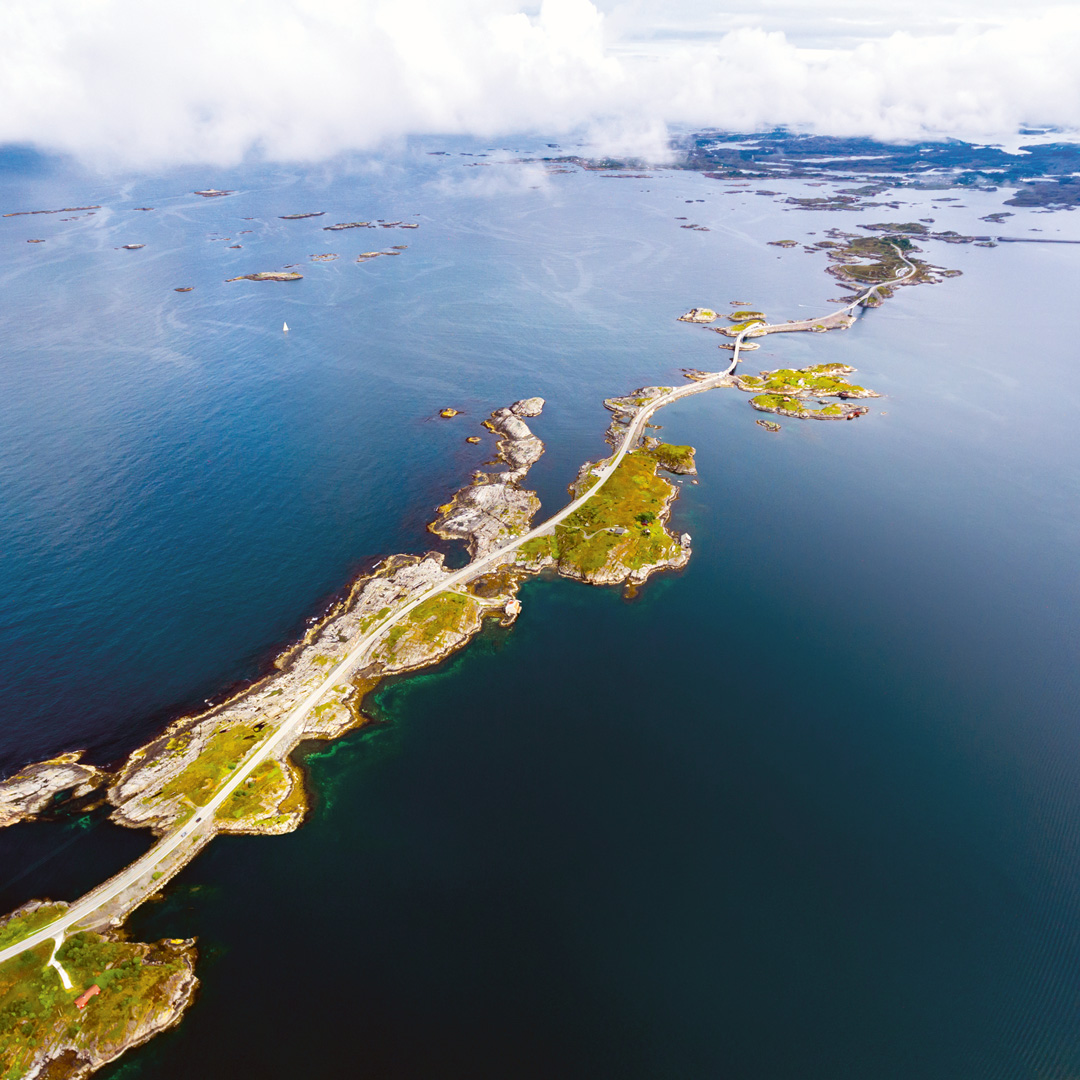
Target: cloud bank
131 83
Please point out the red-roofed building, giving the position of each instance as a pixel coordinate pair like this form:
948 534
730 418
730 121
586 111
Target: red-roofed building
86 995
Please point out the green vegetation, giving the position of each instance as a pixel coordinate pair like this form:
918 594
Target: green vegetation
821 381
38 1015
869 273
222 753
793 405
740 326
430 625
777 401
22 926
676 459
368 621
621 525
741 316
260 795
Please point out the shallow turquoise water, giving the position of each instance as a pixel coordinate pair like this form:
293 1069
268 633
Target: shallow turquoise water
805 809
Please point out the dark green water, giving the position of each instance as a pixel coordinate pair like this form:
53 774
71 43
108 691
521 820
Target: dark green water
806 810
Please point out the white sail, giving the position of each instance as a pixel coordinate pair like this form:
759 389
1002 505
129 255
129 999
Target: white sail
285 327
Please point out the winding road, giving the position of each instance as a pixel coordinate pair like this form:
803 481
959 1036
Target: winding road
201 823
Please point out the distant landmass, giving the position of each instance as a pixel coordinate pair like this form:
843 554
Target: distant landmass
1045 174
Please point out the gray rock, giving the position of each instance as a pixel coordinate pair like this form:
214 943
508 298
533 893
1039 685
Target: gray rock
511 425
28 792
531 406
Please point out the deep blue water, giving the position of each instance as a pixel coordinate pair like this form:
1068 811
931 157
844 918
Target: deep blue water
807 809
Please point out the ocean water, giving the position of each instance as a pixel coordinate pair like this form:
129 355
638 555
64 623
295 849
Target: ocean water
806 809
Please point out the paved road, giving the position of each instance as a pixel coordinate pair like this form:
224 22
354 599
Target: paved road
294 719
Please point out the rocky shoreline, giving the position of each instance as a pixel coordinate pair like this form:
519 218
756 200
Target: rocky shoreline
493 508
30 791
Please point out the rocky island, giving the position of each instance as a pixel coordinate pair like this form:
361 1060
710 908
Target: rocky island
269 275
493 508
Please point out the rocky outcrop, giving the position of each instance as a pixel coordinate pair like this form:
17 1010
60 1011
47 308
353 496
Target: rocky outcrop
31 790
532 406
494 509
699 315
624 409
269 275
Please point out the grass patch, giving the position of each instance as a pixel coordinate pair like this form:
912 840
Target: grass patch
222 753
260 794
776 401
22 926
676 459
821 381
793 405
430 624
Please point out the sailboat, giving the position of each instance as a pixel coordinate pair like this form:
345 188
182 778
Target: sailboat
285 327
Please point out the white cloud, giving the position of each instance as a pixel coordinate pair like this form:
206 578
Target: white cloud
135 83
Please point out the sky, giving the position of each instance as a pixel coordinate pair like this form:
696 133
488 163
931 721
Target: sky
132 84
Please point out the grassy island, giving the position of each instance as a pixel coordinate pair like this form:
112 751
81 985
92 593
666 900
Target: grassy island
699 315
676 459
785 391
822 380
620 533
879 260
